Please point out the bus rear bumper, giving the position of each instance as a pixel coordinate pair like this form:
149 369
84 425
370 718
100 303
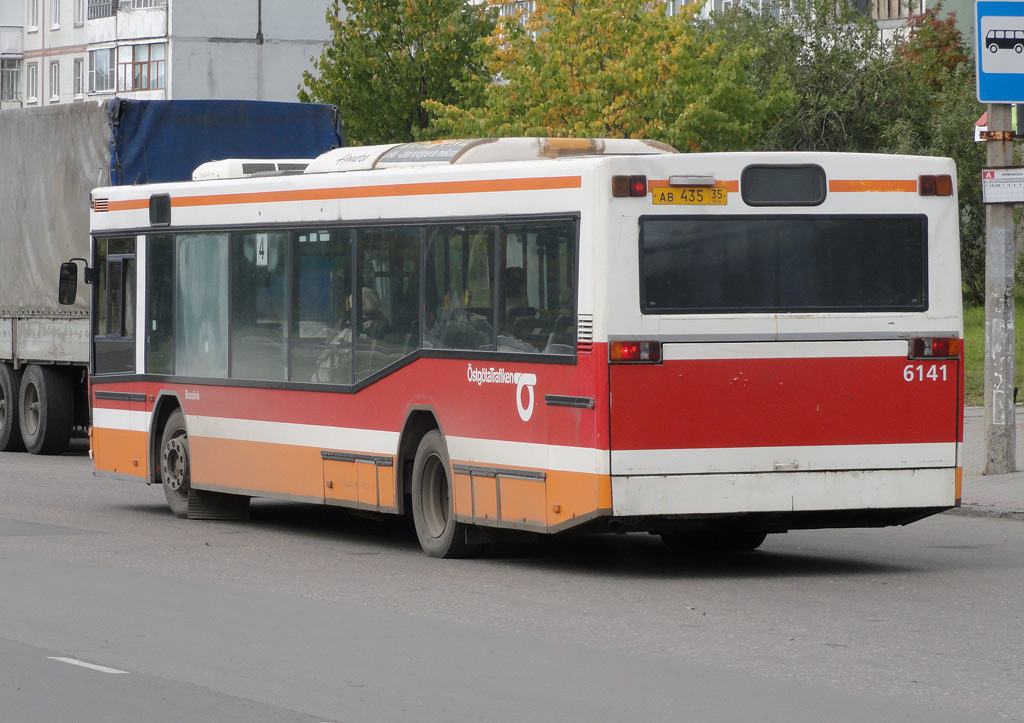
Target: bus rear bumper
789 493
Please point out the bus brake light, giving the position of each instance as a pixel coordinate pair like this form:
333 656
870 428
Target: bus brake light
935 348
935 185
648 352
625 186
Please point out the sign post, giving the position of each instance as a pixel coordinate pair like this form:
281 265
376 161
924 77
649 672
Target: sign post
999 29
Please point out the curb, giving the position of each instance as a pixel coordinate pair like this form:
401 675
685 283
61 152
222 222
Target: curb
990 511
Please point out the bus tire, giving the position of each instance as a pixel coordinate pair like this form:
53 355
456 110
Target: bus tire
45 410
433 501
175 464
10 427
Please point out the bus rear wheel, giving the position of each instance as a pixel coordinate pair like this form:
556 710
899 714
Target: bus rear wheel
175 466
10 429
433 503
44 410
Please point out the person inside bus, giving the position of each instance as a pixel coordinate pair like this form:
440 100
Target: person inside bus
373 322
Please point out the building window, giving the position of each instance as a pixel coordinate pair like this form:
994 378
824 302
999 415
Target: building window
55 82
54 14
101 70
79 73
79 13
148 4
32 84
10 80
33 16
141 67
102 9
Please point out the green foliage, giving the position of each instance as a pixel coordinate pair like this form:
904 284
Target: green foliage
848 80
388 56
615 68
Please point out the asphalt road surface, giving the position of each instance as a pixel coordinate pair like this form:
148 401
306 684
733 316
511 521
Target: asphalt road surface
113 610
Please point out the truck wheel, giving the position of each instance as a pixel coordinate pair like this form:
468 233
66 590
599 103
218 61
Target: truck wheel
10 429
433 503
45 410
175 465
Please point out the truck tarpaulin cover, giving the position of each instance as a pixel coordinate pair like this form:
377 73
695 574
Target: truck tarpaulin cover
52 157
159 141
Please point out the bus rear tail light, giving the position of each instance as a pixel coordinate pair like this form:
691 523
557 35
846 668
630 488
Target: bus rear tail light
626 186
935 348
635 352
935 185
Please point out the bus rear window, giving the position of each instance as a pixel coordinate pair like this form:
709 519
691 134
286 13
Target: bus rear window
752 264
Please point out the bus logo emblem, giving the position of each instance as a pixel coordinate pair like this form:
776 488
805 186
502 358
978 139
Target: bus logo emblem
522 380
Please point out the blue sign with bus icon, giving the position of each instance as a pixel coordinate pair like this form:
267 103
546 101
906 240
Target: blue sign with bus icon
999 28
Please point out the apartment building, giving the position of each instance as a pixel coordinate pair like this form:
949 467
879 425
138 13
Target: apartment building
63 51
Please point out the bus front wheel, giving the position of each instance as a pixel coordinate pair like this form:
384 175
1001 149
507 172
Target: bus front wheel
433 504
175 467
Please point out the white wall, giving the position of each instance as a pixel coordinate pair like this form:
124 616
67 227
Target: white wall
215 53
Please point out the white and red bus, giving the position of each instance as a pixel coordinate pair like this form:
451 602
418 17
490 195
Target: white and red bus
539 335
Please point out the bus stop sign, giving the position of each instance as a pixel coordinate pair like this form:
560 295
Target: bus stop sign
999 29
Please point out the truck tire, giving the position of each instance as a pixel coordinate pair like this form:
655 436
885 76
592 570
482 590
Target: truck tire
45 410
433 501
10 428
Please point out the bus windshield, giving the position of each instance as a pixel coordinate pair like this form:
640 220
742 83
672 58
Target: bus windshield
751 264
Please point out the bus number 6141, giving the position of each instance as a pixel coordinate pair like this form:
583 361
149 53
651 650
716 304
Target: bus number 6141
922 372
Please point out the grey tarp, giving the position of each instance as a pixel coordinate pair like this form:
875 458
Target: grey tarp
50 160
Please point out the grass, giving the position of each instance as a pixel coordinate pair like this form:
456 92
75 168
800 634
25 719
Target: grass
974 351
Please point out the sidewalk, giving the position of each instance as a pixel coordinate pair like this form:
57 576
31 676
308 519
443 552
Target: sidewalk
990 495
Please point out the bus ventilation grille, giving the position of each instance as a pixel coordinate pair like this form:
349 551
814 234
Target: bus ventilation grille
101 205
585 334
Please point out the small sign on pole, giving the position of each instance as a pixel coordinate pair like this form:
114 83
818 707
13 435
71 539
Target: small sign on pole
1002 185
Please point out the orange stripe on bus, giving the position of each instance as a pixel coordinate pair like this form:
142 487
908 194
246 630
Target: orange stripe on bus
877 186
387 191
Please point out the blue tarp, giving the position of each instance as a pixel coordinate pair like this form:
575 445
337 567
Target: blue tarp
154 141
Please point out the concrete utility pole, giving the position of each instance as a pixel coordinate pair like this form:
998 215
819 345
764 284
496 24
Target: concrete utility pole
1000 260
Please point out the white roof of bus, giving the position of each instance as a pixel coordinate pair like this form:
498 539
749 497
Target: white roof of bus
481 150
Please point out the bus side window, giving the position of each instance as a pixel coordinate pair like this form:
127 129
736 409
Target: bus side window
115 302
387 305
201 305
538 287
459 311
160 305
321 348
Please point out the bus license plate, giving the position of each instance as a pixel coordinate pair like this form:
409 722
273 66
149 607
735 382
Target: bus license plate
689 196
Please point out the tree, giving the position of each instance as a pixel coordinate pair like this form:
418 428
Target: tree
388 56
613 68
940 61
848 78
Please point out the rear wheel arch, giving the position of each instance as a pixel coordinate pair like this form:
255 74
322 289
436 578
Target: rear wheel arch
418 422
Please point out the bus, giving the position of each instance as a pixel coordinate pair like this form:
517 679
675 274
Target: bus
499 336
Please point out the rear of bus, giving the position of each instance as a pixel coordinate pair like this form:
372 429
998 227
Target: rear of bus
784 341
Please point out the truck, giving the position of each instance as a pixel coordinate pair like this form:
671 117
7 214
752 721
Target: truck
51 158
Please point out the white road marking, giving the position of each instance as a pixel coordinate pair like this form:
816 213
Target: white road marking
90 666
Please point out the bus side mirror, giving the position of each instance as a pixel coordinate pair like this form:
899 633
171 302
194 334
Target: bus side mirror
67 289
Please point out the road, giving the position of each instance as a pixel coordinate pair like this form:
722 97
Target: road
311 614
